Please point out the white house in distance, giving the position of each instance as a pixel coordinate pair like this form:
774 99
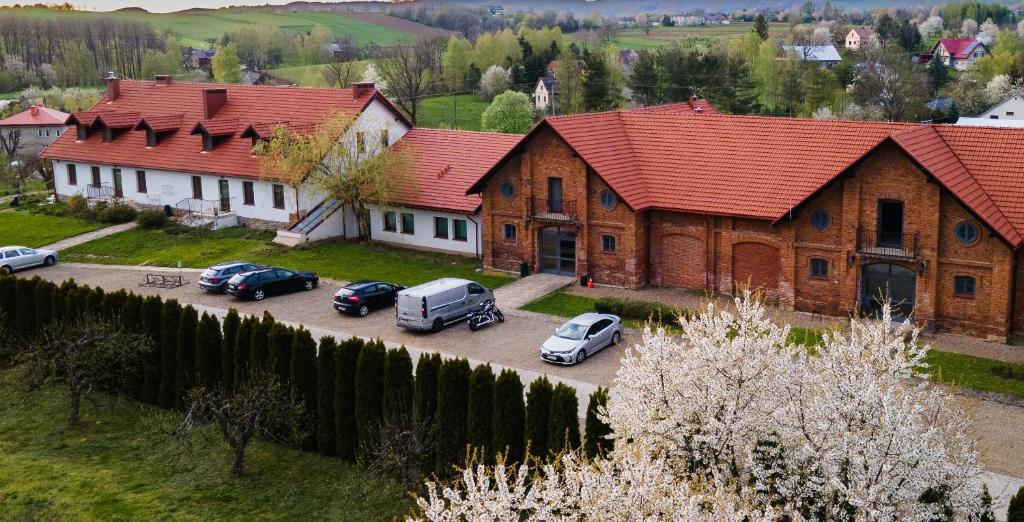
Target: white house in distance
824 55
542 93
959 53
38 127
857 37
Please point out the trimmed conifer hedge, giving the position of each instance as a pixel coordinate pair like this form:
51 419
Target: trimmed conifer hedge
597 443
538 411
480 410
327 354
564 420
450 419
346 434
508 431
369 398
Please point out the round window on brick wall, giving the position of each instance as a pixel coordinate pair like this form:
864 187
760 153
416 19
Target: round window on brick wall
508 190
608 199
821 219
967 232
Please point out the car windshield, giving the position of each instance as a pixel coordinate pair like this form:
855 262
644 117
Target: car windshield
572 331
209 272
345 292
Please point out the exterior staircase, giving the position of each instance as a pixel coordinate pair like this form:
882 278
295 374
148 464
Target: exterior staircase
305 229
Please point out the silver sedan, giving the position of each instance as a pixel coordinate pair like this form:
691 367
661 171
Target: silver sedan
18 258
580 337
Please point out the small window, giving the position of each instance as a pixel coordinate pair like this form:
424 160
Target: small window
461 233
360 142
150 138
408 223
72 174
607 243
819 267
390 222
608 199
108 135
278 195
248 193
96 181
440 227
207 142
1009 113
140 181
510 231
83 133
508 189
475 289
967 232
384 138
821 219
47 133
964 286
12 253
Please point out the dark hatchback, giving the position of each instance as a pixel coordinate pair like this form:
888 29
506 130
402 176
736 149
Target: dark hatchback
361 297
264 282
215 278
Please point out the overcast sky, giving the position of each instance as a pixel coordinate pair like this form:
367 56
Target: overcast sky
156 6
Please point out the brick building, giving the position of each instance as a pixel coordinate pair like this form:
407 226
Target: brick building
823 216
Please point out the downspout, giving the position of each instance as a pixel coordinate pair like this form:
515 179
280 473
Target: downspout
1013 293
477 236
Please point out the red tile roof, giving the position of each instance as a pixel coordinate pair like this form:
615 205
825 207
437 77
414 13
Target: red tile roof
445 163
42 116
180 151
764 167
160 123
958 48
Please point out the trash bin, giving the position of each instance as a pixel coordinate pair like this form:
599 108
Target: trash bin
168 211
524 269
583 280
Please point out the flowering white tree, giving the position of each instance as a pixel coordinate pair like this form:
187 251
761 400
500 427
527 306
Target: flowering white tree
932 25
494 81
969 28
370 75
987 32
1020 29
731 421
1001 87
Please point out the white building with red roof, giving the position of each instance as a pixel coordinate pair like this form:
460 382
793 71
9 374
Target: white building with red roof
959 53
38 127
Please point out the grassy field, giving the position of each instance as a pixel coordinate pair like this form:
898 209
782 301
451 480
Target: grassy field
459 112
32 185
340 260
197 28
36 230
661 36
123 462
309 75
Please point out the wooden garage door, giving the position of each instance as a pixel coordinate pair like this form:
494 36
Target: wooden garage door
683 261
756 264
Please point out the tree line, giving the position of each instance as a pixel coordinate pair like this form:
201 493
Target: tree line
356 399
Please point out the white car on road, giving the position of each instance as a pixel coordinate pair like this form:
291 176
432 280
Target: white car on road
14 258
580 337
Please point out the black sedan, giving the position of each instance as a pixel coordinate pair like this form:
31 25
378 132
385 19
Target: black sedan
262 282
361 297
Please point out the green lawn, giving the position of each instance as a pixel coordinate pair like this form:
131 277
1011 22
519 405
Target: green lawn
565 304
341 260
662 36
32 185
458 112
122 462
309 75
975 372
36 230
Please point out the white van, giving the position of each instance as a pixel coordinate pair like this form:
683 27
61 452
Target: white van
434 305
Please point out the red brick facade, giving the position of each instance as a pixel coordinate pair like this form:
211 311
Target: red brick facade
722 253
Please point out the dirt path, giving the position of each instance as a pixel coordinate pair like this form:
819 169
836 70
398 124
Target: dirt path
90 236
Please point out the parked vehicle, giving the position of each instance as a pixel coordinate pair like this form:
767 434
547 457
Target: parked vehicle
434 305
215 278
262 282
362 297
580 337
486 315
14 258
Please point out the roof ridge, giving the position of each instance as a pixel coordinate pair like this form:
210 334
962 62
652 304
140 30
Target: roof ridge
465 131
239 85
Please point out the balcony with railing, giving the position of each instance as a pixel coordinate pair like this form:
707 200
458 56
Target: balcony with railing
553 210
888 245
99 191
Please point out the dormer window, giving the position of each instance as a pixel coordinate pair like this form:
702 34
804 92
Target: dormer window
108 135
150 138
207 142
83 132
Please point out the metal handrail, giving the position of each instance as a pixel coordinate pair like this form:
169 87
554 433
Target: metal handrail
553 210
204 207
888 244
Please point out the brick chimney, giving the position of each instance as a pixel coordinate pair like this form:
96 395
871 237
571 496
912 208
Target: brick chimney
214 100
361 88
693 102
33 110
162 79
113 86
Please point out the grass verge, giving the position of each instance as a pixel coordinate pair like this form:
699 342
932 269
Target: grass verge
36 230
122 462
340 260
457 112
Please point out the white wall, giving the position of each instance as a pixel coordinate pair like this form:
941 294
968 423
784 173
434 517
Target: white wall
1014 105
168 188
424 225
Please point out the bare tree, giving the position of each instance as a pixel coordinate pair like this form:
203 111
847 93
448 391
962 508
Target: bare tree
83 355
400 448
409 69
258 408
339 74
645 21
891 83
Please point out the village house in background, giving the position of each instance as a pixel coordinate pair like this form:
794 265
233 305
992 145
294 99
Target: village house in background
1008 113
200 58
957 53
38 127
858 37
823 55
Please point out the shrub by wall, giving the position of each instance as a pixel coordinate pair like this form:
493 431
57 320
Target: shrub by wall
639 310
152 219
119 213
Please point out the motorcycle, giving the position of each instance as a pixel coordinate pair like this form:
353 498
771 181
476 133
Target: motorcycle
487 314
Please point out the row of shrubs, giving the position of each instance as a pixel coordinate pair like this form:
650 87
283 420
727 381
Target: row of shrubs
78 207
355 393
639 310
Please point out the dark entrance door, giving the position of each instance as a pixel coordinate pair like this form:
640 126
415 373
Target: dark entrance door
555 195
885 280
118 188
225 196
197 187
890 223
558 251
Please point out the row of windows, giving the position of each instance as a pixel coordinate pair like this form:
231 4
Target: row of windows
966 232
962 285
361 140
248 187
607 240
459 229
607 198
46 132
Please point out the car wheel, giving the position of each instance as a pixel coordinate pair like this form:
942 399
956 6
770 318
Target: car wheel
49 261
259 295
582 356
5 270
308 285
616 337
438 325
364 311
473 325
